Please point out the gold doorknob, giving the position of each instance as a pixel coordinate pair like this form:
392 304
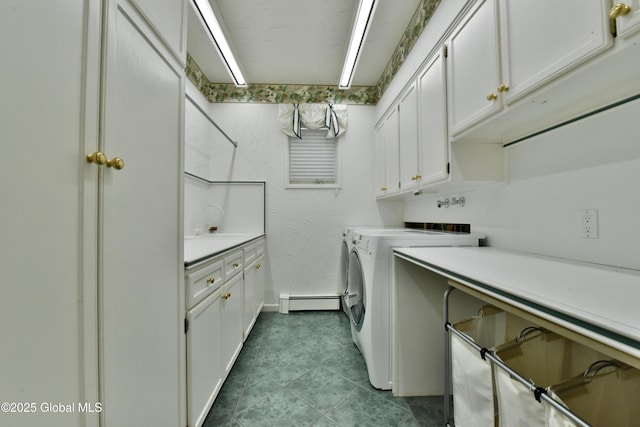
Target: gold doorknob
98 158
210 280
503 88
492 97
619 9
116 163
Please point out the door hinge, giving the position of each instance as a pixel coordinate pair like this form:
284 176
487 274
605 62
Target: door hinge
448 168
446 51
186 325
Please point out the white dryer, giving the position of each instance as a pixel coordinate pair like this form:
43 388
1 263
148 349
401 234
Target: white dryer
369 298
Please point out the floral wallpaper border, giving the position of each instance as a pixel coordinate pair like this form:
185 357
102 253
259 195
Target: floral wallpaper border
278 94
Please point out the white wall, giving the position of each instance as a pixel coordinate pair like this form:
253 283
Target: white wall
304 226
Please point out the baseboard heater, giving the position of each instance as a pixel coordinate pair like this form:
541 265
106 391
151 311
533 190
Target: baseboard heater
290 302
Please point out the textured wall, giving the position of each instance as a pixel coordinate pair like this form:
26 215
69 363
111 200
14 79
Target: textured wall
304 226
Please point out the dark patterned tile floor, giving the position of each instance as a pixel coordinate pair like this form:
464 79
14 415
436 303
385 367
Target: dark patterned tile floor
302 369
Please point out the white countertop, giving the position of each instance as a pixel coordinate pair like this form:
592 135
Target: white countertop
200 248
598 301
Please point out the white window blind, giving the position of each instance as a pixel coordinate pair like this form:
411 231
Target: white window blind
313 160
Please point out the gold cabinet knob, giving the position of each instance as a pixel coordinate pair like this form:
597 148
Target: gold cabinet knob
503 88
258 266
210 280
98 158
618 10
226 295
116 163
492 97
383 189
236 265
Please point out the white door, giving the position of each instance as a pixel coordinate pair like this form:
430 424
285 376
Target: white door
473 71
408 140
542 39
434 146
140 238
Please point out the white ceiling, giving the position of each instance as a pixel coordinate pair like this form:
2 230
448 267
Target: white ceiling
298 41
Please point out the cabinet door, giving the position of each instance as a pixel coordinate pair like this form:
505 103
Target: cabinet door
541 39
629 23
380 166
392 152
232 330
260 284
253 294
473 72
140 226
204 363
434 146
408 131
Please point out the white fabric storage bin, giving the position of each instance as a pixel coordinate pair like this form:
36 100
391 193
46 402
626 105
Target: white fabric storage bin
605 395
544 357
473 389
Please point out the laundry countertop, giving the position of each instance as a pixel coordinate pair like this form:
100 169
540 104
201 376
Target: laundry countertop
202 247
597 301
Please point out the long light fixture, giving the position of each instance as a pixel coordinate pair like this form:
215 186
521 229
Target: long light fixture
219 39
359 32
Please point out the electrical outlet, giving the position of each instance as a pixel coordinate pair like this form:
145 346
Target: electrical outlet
589 223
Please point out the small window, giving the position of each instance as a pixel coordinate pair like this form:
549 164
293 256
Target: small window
314 160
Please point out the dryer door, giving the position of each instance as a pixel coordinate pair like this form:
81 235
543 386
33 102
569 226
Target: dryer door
356 298
344 267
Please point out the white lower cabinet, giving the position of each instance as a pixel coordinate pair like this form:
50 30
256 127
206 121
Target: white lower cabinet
223 302
253 293
204 359
232 331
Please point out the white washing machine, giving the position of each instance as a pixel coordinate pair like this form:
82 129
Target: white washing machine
348 242
369 298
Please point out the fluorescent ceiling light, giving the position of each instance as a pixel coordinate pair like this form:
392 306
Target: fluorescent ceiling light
212 24
359 32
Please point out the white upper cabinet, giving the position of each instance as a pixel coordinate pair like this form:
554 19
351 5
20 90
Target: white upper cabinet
169 19
432 122
542 39
627 16
500 53
408 131
387 163
473 69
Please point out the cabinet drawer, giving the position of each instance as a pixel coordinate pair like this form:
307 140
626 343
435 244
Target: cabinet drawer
250 253
233 263
260 247
202 282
